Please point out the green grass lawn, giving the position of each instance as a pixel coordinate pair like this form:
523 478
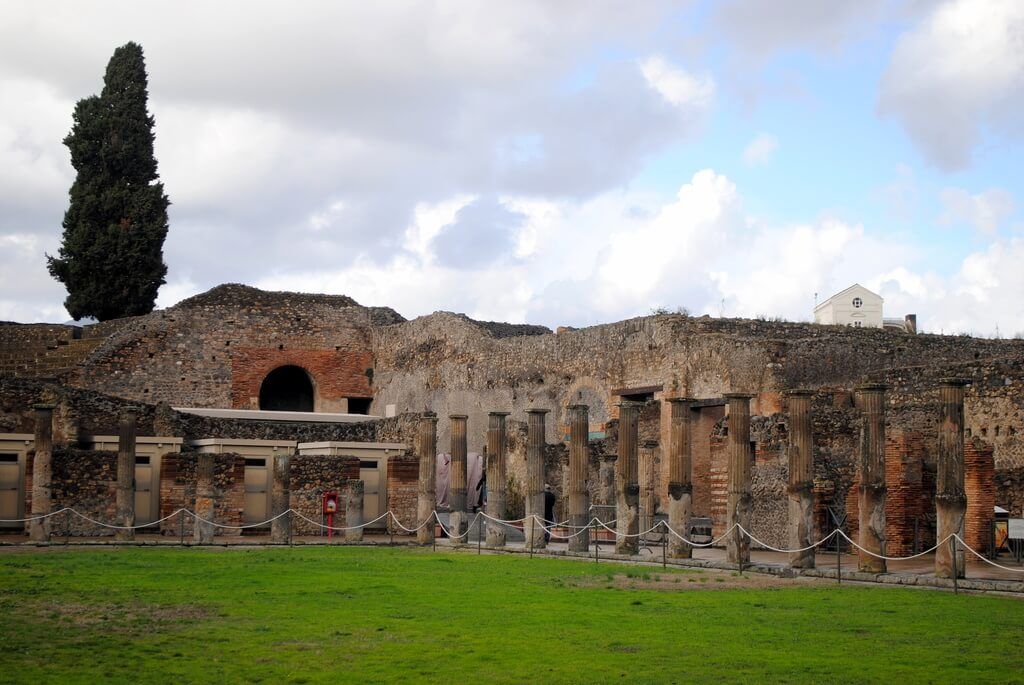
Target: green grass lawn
384 615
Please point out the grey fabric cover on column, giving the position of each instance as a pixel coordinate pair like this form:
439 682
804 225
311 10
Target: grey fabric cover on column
42 474
458 521
871 496
280 499
800 490
496 477
578 488
205 499
739 499
950 494
535 441
426 493
125 495
680 476
627 487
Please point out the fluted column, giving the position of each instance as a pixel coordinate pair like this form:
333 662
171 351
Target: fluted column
426 493
535 441
627 487
125 495
578 487
680 477
280 499
42 474
871 497
800 523
496 477
205 499
950 494
354 510
739 500
458 522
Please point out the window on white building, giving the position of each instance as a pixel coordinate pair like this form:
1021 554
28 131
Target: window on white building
857 324
857 302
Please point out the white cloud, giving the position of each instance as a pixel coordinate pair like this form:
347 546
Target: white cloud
760 150
677 85
958 74
985 211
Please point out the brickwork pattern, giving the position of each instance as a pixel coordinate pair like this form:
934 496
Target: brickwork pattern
335 374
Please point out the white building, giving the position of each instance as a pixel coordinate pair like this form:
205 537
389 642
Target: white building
856 306
859 307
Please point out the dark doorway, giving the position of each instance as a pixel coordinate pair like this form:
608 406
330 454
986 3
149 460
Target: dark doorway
359 405
287 388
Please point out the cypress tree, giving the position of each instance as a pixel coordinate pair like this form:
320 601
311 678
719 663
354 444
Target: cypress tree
111 256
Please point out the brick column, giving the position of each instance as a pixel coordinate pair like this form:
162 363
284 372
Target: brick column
950 494
458 522
426 493
42 474
280 499
871 496
627 488
801 479
496 477
680 477
578 491
739 501
354 510
205 492
645 478
125 495
535 441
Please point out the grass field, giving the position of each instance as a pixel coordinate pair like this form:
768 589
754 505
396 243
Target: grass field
386 615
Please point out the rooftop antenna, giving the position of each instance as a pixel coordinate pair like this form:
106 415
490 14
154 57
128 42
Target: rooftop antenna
815 299
721 309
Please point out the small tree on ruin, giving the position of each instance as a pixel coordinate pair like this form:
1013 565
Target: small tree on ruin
111 256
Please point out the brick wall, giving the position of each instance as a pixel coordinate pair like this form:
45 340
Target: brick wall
178 490
402 480
86 481
980 485
336 374
311 477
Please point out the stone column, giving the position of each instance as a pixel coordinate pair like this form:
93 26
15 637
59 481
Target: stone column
800 523
42 474
535 441
680 477
280 499
125 495
496 477
871 498
950 495
354 510
627 489
739 500
645 476
426 494
205 493
458 521
578 488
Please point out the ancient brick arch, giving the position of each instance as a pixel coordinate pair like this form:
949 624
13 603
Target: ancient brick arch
288 388
336 375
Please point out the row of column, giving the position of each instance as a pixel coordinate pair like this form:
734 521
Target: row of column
951 500
40 527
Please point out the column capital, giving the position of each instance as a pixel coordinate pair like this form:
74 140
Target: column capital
457 417
44 406
871 386
681 400
537 410
498 413
955 382
798 392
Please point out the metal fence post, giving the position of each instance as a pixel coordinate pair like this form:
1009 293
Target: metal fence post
181 528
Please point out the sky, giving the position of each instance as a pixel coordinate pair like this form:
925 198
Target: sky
558 163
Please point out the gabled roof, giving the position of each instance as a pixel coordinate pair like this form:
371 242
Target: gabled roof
845 291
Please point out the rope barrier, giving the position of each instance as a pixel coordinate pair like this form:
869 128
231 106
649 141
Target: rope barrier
538 521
